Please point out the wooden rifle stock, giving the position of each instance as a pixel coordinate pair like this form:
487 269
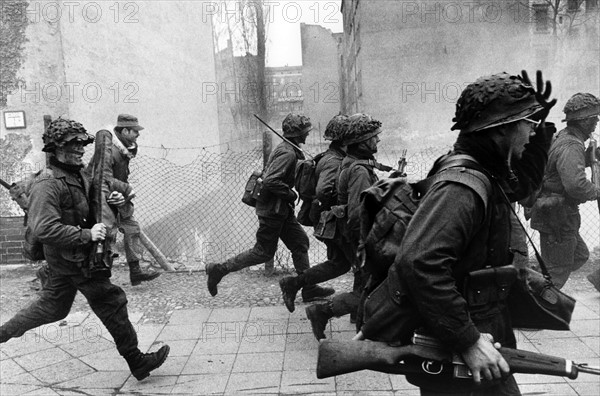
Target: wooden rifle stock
343 357
99 191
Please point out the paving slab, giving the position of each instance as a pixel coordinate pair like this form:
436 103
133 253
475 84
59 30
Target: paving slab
209 364
304 382
206 384
249 350
109 381
44 358
63 371
251 383
108 360
189 316
258 362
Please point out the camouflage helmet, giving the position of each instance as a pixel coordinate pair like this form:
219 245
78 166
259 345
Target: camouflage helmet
494 100
61 131
361 127
581 106
295 125
336 128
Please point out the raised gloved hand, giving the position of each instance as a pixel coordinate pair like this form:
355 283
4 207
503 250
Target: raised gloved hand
542 94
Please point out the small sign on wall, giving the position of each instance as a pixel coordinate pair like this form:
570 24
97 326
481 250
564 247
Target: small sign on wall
14 119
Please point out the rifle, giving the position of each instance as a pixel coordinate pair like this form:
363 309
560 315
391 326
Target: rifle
100 255
17 194
426 357
595 165
379 166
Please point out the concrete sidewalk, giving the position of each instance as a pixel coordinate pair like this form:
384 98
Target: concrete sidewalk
262 350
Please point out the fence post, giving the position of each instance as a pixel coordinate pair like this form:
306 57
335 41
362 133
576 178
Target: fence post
155 252
267 147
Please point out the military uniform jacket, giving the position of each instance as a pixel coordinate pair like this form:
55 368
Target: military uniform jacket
327 173
277 197
354 179
453 232
565 172
59 218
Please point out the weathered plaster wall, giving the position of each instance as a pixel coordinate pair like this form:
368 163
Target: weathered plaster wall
320 75
92 60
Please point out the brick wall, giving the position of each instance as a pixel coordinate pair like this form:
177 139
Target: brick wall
12 233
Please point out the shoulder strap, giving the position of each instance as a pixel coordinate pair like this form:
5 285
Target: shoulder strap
318 157
462 169
538 256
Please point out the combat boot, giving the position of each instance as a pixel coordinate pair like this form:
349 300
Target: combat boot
289 288
140 364
594 279
4 336
137 275
214 273
315 292
319 315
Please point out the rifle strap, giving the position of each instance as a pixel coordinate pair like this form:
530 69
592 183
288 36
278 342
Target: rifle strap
538 256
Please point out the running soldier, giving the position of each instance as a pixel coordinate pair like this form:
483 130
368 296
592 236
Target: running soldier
275 211
327 174
356 175
556 212
462 227
59 216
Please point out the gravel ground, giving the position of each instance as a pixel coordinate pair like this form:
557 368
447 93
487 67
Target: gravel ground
184 290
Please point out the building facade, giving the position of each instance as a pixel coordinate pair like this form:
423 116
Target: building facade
91 61
406 62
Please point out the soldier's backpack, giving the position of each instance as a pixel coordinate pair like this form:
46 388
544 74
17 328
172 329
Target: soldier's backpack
305 182
20 192
387 207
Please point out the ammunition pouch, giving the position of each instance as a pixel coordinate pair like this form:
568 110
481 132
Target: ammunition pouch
549 213
489 286
327 227
252 189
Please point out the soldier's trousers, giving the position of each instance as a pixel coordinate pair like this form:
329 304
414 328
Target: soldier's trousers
108 302
563 255
339 261
130 228
270 230
508 387
348 303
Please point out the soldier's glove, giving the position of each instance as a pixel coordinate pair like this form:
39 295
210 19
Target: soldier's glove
541 94
544 133
589 156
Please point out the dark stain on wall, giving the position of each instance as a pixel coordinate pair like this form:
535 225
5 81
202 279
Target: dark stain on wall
13 22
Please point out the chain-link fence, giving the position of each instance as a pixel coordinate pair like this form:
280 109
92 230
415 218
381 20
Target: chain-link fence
194 213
